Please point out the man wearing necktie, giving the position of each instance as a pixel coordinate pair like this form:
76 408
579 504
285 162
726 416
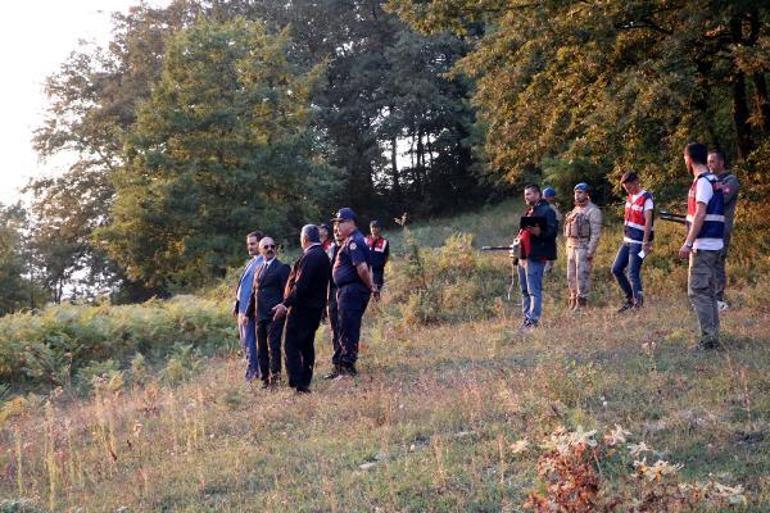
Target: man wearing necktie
246 326
269 282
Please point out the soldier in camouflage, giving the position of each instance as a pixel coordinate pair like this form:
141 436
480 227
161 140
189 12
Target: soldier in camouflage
582 229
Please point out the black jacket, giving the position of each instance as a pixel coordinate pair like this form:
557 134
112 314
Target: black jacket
308 282
544 245
267 290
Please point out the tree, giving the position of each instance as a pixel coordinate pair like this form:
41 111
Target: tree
17 290
221 146
617 84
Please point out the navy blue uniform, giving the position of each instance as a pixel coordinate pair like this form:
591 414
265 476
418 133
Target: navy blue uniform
352 295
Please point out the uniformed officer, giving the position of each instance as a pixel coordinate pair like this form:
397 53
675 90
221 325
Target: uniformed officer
729 184
582 228
352 276
379 248
333 313
704 243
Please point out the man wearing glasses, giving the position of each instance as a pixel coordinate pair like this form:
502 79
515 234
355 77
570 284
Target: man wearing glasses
269 281
352 275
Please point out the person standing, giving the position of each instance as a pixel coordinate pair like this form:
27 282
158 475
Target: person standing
549 194
729 184
379 249
303 303
246 327
582 229
352 276
638 234
333 311
269 282
704 243
538 246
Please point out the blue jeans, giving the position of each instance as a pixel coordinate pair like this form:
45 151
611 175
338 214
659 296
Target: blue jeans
248 336
531 283
628 257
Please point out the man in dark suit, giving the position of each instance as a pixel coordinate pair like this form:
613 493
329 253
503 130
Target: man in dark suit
303 303
269 281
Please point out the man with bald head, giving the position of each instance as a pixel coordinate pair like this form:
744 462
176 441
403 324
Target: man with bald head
269 281
303 303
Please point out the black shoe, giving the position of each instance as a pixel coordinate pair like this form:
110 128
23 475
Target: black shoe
333 374
628 305
303 390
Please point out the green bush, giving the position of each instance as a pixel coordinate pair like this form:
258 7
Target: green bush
63 341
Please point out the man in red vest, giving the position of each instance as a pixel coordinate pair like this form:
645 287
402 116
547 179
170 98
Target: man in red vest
379 249
637 240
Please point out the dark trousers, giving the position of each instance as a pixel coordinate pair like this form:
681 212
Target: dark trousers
269 348
628 257
334 327
351 304
379 277
298 347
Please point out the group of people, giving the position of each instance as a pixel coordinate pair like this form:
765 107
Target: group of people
279 308
709 221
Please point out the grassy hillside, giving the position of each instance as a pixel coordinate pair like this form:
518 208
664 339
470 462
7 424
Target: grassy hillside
455 410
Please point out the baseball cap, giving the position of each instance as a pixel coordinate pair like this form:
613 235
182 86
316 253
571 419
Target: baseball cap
582 186
345 214
629 176
549 192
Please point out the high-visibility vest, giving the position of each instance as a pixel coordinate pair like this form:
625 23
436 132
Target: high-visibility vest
714 222
633 219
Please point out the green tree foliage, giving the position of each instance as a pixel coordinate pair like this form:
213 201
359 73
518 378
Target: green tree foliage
618 84
17 290
221 146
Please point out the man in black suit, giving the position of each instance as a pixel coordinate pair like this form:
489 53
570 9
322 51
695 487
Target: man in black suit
269 281
303 303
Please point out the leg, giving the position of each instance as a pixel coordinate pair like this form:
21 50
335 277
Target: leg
274 334
308 348
635 272
263 353
291 350
619 270
352 304
334 325
526 303
535 270
572 274
252 370
701 287
721 272
583 273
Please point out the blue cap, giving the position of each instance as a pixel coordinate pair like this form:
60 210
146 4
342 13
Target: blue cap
345 214
582 186
549 192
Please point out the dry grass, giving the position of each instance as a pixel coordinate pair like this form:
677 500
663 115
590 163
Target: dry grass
430 425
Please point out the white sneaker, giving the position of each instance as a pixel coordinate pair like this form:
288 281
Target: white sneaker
722 305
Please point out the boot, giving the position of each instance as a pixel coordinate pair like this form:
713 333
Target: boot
582 302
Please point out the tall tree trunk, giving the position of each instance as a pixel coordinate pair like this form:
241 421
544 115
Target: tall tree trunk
760 84
740 106
397 192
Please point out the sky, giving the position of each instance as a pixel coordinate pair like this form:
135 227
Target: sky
36 36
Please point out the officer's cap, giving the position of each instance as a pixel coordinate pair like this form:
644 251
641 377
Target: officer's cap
375 223
344 214
582 186
549 192
629 176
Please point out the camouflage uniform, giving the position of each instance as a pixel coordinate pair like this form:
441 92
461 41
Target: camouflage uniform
582 228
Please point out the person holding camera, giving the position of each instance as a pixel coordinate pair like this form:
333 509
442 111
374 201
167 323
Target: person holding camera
534 246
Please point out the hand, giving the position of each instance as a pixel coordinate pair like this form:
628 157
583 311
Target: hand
647 247
242 320
590 257
376 293
279 311
684 252
534 230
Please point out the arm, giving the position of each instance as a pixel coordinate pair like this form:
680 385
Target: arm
595 219
695 227
730 189
365 273
646 244
387 251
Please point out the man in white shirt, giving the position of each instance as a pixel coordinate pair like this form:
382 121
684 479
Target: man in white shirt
704 243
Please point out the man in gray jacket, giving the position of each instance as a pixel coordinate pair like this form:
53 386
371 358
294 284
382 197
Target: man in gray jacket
729 185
